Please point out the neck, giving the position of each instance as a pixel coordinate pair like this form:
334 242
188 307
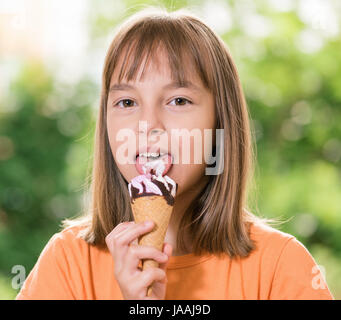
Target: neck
181 204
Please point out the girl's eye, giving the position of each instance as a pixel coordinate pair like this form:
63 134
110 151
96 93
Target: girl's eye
127 103
180 101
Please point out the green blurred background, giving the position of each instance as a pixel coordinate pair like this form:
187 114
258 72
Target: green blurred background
51 59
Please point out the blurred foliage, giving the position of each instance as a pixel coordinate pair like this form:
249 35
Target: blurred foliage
290 75
44 153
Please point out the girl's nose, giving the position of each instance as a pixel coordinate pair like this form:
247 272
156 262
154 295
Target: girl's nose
150 130
150 123
149 134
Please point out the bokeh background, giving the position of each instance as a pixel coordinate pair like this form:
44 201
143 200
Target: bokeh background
51 58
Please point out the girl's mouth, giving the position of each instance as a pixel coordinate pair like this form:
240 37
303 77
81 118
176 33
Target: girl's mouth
145 157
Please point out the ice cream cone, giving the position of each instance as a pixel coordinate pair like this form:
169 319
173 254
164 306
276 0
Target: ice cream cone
152 198
155 208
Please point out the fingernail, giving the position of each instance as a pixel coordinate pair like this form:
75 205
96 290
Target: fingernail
148 223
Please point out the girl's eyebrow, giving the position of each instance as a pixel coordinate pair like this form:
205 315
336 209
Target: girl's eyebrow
173 85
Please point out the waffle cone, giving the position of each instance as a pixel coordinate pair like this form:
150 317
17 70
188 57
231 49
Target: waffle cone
157 209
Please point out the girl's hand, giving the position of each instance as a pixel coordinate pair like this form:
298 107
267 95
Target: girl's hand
123 246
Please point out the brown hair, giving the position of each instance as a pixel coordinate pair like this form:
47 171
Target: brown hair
218 220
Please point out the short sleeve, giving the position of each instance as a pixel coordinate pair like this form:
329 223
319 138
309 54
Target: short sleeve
49 278
297 276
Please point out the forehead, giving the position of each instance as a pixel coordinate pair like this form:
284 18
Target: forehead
154 64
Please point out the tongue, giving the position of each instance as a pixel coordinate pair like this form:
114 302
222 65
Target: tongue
167 160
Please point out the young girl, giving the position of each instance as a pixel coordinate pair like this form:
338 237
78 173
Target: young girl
214 247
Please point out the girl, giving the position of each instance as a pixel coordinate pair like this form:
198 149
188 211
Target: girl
215 248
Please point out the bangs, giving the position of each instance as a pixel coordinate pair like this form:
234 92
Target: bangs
184 49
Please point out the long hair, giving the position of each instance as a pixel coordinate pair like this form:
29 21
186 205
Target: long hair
219 219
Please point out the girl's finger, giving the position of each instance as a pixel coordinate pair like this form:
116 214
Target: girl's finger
134 232
118 229
150 275
159 287
139 252
167 249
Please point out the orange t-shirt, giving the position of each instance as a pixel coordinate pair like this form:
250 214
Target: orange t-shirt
279 268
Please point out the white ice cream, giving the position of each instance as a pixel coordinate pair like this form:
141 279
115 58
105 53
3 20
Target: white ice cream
159 167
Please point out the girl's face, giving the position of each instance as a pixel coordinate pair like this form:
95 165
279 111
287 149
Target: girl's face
164 108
